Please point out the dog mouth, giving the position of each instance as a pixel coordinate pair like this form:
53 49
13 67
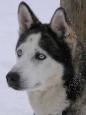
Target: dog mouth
14 85
22 86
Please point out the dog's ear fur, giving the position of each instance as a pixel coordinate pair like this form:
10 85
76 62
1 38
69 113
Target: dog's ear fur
26 17
60 24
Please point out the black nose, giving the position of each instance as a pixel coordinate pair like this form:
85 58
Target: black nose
13 79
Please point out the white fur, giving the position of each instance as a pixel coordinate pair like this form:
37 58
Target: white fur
42 79
34 73
52 101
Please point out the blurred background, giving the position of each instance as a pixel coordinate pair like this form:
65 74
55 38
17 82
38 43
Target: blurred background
15 102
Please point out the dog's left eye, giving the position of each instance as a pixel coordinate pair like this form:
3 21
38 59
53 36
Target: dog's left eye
40 56
19 53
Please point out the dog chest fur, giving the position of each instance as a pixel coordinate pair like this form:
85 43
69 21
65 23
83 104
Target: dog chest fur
50 102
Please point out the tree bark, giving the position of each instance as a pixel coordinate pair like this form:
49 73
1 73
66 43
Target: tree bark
76 11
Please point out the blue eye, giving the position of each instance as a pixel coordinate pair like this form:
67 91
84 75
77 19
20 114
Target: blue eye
19 53
40 56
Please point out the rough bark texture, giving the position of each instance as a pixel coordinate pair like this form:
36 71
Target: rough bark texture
76 11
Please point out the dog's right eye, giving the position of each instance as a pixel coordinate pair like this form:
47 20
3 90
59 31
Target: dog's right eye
19 53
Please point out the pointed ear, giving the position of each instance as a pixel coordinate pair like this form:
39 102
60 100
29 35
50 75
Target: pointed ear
60 21
26 17
60 24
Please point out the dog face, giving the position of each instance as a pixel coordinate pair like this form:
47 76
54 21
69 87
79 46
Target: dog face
42 51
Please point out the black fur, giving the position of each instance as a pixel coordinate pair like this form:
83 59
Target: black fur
58 49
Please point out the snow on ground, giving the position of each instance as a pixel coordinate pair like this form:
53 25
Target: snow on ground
15 102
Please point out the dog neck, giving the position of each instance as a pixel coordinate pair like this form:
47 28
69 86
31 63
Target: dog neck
50 102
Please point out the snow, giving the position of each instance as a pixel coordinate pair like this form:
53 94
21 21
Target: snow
16 102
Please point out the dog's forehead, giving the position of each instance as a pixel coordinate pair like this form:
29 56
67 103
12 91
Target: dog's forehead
42 38
31 40
31 34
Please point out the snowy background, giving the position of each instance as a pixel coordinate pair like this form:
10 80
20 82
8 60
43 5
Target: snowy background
15 102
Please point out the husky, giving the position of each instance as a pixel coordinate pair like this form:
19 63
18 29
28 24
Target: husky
44 65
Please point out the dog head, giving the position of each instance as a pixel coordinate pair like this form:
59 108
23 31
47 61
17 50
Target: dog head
43 52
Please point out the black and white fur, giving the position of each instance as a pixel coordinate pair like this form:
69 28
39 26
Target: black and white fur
44 64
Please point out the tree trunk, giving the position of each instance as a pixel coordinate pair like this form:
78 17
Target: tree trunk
76 11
